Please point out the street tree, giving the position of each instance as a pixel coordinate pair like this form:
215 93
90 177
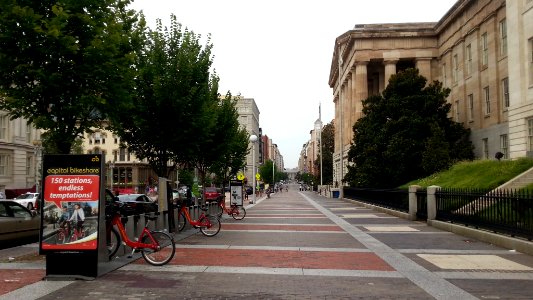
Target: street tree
230 142
66 65
327 149
265 170
405 134
173 101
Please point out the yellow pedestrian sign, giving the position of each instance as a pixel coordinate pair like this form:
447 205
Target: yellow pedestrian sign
257 176
240 176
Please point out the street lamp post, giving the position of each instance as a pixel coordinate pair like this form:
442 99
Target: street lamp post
253 139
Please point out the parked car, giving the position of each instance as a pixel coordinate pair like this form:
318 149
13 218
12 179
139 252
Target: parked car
179 196
18 222
212 194
136 204
28 200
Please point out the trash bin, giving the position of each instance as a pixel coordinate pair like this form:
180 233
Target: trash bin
335 194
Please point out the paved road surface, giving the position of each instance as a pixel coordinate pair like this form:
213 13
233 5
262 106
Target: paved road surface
299 245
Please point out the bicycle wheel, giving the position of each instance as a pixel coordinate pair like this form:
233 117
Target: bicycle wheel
220 211
181 221
113 244
210 225
238 212
166 251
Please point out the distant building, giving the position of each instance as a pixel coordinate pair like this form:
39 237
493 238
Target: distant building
249 120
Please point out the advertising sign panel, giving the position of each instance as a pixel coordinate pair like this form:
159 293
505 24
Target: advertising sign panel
236 192
71 193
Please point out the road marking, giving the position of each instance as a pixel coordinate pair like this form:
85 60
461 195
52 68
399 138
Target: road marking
366 216
391 228
473 262
431 283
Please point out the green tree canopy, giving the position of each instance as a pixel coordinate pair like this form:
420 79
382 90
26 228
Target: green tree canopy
65 65
405 134
328 147
174 98
265 170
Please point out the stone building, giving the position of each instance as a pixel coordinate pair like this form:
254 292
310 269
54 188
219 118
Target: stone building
249 120
20 155
471 50
125 173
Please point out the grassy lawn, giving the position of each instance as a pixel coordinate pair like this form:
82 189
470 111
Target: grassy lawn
478 174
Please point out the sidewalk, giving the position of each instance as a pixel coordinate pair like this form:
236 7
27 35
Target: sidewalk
301 245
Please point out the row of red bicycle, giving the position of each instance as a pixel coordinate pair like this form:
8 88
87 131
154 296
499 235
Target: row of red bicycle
157 247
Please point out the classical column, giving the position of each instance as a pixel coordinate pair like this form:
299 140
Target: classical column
353 109
423 64
337 118
349 106
346 115
361 82
390 69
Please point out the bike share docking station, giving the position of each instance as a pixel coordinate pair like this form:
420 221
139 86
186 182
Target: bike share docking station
72 182
76 182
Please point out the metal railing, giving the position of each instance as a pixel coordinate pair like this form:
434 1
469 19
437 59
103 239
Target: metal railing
503 211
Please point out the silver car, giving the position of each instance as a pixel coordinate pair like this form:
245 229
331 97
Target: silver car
17 222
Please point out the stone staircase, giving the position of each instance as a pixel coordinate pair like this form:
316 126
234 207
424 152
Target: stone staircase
519 181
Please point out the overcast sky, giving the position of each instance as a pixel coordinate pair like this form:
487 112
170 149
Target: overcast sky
279 51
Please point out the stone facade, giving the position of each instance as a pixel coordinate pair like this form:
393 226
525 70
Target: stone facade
249 120
476 50
20 154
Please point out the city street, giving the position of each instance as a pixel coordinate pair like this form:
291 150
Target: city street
299 245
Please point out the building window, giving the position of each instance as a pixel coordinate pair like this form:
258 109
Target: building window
29 164
530 134
97 138
486 94
470 107
468 60
115 155
485 144
484 50
4 164
122 154
4 121
28 133
503 37
504 146
505 93
115 139
455 73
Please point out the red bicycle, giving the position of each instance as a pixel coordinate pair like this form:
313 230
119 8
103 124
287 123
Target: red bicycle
156 247
209 225
236 211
